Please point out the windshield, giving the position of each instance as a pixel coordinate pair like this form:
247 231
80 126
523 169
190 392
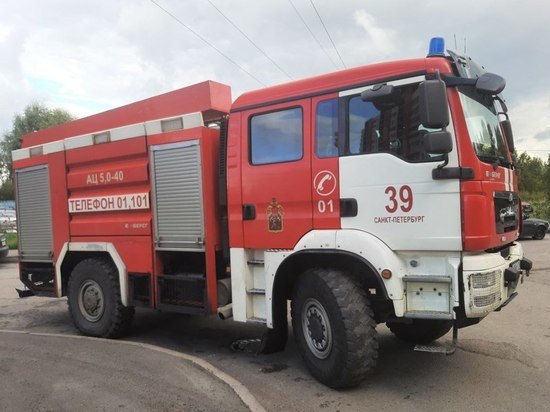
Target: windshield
484 127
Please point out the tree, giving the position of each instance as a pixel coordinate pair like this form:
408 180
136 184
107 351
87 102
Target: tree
547 178
531 172
36 116
6 190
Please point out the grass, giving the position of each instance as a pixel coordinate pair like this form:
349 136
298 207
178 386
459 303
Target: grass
12 240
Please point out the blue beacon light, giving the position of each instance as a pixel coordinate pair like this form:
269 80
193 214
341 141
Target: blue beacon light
437 47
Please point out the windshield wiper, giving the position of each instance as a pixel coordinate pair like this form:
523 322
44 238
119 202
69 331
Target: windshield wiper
495 160
504 162
492 159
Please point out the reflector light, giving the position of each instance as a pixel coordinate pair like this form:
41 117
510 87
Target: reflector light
36 151
437 47
386 274
102 138
172 124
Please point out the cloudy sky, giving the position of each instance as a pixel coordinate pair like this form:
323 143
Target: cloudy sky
89 56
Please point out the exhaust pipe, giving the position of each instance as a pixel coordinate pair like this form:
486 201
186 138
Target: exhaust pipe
225 312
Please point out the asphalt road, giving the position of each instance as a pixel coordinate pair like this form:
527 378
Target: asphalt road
501 364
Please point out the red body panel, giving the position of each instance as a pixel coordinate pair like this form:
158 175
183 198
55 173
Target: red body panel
477 194
92 187
284 189
91 173
209 139
58 189
234 187
135 251
326 197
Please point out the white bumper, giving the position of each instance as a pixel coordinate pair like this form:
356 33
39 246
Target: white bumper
485 288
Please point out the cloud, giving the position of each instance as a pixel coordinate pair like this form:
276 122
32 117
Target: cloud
382 39
5 31
97 55
530 123
543 136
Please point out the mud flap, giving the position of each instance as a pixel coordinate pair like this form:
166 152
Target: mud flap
24 293
274 340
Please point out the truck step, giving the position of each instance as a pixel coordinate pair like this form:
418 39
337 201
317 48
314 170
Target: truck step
257 320
437 347
256 291
256 262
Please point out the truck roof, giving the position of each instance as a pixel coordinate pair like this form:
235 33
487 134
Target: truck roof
337 81
211 98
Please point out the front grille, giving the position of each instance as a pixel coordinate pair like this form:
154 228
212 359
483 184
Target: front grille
485 291
506 206
483 301
484 280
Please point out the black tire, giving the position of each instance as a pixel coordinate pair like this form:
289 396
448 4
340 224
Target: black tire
540 233
420 330
94 300
334 327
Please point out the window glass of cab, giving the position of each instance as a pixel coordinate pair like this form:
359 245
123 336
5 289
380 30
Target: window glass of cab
326 128
276 137
393 127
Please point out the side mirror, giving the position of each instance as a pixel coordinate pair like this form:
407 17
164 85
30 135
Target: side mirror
490 83
508 134
438 143
434 110
381 95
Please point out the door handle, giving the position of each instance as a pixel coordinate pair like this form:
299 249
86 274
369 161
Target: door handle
348 208
249 212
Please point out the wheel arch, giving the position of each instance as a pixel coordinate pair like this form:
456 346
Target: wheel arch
358 267
74 252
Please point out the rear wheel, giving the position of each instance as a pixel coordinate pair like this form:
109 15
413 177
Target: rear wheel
420 330
540 233
334 328
94 300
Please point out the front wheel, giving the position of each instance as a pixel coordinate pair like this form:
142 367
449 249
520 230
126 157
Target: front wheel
334 327
94 300
540 233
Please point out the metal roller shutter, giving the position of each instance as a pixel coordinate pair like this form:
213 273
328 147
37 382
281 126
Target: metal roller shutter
177 193
34 214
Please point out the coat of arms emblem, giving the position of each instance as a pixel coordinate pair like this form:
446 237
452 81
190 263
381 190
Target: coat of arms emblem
275 213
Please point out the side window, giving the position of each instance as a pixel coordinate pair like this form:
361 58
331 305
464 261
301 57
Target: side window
276 137
392 127
364 124
326 128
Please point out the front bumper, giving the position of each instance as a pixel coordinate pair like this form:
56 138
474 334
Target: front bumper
491 279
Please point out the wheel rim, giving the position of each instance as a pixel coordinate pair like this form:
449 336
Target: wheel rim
539 233
316 328
91 301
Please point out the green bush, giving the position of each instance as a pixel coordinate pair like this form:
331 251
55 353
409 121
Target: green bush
541 209
12 240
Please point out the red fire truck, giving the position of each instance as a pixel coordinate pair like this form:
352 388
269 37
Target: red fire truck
379 194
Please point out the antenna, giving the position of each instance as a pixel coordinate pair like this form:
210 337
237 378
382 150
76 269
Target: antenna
464 44
456 46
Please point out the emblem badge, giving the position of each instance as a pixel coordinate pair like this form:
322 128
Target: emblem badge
275 214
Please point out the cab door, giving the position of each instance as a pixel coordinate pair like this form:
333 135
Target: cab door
276 175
